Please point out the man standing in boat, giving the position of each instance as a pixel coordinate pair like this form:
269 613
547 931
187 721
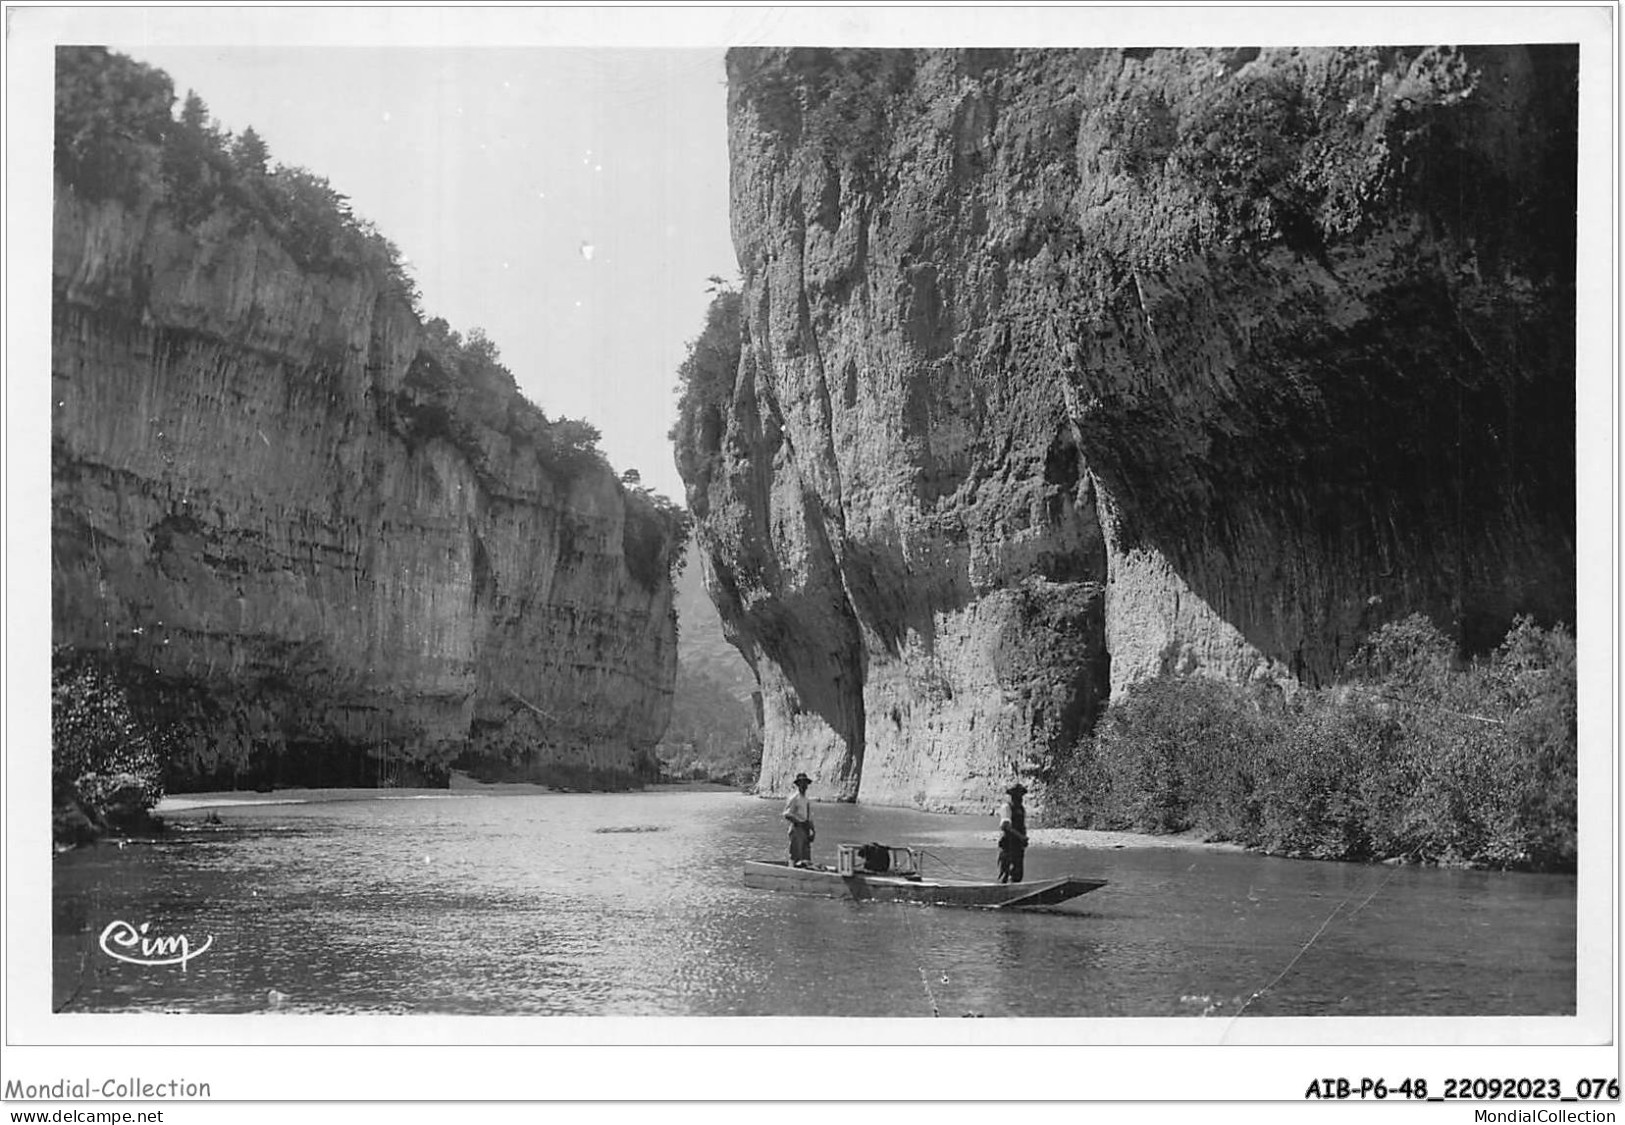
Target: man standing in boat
798 811
1012 835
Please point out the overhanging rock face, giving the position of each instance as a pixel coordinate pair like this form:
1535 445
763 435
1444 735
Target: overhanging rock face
1064 369
326 560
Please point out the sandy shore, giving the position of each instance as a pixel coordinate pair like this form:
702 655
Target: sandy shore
461 787
1083 838
1090 838
187 802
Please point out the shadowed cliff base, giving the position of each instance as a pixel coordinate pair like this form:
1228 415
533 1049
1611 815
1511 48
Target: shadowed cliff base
1270 347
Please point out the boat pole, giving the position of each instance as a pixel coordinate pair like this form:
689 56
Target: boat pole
919 964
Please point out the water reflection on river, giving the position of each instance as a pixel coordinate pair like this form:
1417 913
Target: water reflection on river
633 905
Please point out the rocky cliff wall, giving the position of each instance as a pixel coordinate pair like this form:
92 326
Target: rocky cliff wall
320 557
1063 369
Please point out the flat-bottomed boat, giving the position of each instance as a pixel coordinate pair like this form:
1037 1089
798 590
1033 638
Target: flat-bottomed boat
901 881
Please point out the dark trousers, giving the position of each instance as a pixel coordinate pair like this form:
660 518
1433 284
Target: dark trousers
1011 857
800 844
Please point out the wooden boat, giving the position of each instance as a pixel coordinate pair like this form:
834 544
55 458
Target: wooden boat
904 883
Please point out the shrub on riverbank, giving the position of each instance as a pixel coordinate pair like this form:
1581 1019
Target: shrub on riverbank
105 774
1414 756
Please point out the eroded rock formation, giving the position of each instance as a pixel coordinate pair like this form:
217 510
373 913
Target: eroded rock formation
317 556
1063 369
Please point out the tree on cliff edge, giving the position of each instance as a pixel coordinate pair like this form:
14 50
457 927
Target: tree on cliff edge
250 153
705 381
110 113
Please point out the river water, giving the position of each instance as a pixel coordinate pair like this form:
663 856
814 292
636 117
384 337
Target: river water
633 905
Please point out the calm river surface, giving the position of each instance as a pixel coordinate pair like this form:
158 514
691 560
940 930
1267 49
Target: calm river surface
633 905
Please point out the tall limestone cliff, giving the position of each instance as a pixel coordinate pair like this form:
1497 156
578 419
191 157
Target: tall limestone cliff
318 549
1061 369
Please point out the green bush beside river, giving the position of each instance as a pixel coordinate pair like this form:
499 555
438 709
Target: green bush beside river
105 771
1415 755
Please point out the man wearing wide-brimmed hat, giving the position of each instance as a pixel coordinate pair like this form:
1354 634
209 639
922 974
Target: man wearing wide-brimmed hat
1012 835
798 811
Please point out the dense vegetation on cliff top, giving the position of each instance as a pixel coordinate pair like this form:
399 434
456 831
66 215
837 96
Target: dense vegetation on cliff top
1243 147
1415 755
458 384
118 137
705 384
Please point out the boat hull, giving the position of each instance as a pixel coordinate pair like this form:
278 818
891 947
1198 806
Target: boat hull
777 875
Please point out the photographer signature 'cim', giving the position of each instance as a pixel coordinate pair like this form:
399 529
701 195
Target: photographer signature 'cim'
130 943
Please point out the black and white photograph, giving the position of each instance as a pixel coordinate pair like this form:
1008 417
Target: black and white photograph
776 528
